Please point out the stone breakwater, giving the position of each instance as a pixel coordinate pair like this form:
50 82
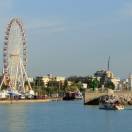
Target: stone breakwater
122 100
93 98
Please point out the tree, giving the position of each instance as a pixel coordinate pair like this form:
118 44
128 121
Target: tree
110 84
72 88
95 83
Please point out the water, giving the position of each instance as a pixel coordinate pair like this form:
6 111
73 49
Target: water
62 117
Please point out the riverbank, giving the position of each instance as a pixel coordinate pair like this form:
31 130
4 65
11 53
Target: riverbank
28 101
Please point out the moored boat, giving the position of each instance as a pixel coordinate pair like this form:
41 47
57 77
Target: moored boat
110 103
111 106
69 96
73 95
78 95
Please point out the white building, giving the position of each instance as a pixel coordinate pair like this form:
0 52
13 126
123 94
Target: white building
113 79
59 78
50 77
130 82
84 85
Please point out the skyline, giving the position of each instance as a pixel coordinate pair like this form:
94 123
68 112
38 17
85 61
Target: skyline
73 37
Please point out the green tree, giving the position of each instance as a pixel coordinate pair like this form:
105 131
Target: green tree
110 85
72 88
95 83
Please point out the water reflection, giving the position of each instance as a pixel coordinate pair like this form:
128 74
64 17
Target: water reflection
62 117
14 118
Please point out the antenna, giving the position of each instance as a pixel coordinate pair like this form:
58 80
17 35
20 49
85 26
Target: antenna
108 65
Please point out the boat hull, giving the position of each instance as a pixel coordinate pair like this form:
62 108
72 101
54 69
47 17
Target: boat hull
111 107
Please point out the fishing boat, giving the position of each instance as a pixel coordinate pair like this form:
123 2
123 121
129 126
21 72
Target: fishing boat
111 106
110 103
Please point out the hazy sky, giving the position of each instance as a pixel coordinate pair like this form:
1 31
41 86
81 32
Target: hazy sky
73 37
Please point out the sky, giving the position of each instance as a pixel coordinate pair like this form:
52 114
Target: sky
73 37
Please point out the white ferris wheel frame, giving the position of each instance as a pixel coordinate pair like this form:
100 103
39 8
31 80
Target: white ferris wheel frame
20 74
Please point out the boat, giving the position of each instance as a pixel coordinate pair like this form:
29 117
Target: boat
78 95
111 106
69 96
73 95
110 103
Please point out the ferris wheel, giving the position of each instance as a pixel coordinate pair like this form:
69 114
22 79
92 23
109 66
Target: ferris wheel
15 56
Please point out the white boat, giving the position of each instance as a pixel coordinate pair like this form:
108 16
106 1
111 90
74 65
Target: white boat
111 106
110 103
120 107
78 95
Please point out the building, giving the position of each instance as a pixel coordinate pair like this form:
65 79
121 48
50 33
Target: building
59 78
123 84
130 82
106 76
113 79
44 80
84 85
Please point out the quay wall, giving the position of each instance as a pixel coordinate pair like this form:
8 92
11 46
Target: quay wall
28 101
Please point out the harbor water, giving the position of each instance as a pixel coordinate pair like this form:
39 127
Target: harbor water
62 116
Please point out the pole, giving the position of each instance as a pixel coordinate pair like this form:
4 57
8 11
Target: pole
108 67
